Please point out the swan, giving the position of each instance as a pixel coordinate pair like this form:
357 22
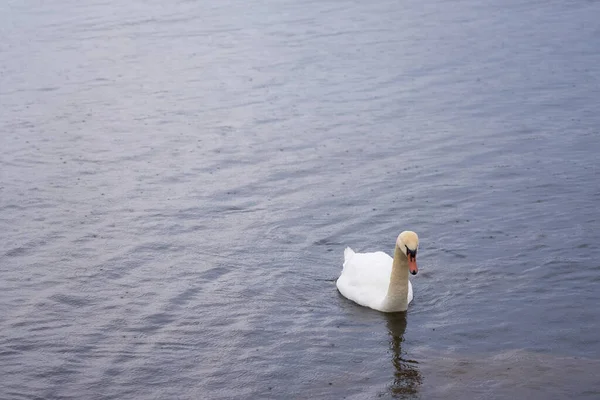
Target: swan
378 281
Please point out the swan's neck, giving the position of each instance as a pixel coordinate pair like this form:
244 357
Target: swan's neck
397 294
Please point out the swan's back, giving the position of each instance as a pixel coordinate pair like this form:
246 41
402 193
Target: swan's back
365 277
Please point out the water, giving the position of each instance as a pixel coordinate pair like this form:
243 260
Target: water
179 180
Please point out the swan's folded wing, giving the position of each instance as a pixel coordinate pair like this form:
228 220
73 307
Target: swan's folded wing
365 278
369 268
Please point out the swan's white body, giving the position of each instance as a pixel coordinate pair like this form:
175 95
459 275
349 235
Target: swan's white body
376 280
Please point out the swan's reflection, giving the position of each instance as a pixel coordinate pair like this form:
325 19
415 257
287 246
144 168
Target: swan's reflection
407 377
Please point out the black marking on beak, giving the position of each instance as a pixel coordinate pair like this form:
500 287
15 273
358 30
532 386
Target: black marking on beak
411 254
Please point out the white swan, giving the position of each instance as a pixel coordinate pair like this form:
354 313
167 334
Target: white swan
379 281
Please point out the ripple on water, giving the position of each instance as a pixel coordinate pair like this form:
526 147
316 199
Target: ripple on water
177 188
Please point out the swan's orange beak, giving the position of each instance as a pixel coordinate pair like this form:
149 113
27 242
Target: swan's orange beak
412 262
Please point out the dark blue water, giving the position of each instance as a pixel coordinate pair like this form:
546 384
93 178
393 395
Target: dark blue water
178 182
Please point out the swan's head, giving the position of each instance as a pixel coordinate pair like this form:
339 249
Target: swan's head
408 242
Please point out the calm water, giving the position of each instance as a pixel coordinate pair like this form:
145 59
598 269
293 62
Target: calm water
179 180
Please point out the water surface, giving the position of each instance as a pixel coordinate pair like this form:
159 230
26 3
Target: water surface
178 183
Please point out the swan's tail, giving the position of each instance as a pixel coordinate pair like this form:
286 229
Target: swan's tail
348 254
